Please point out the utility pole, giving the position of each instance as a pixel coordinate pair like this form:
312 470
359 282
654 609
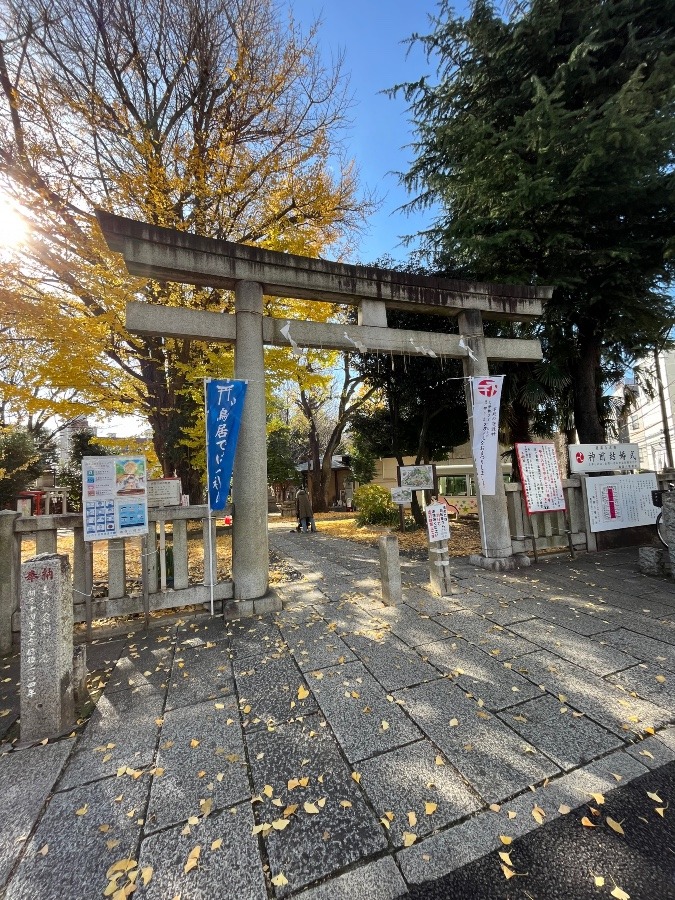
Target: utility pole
664 411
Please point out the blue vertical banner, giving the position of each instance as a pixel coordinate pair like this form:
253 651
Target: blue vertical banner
224 408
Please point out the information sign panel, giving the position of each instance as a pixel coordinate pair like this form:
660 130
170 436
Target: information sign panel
164 492
601 457
438 526
114 497
620 501
417 478
401 496
540 477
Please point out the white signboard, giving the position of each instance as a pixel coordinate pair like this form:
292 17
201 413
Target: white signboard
603 457
486 392
621 501
438 526
417 478
114 497
540 477
164 492
402 496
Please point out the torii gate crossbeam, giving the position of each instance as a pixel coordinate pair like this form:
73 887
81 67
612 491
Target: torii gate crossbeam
172 255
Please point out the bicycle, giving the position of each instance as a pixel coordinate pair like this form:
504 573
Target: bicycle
657 500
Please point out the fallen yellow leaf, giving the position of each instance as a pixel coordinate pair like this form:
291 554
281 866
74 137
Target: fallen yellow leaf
146 874
619 894
599 798
205 806
430 808
495 807
279 880
505 857
303 693
385 725
661 679
412 819
505 839
217 844
614 825
508 873
660 810
598 880
194 742
193 859
345 804
408 839
268 790
357 777
654 797
439 761
83 810
280 824
310 808
563 809
587 822
43 851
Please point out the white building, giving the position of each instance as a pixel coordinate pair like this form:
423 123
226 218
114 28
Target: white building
65 437
645 422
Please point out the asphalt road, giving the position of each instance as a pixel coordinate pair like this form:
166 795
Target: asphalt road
560 861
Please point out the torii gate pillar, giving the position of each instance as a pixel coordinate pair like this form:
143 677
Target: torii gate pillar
250 549
492 509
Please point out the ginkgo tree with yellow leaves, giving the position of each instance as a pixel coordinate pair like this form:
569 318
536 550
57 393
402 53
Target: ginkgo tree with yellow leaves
213 116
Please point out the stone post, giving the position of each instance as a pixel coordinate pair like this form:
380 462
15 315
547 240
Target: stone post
250 552
439 568
390 570
10 562
492 510
669 523
46 646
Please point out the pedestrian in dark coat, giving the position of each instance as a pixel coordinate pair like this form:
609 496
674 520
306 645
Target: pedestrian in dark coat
303 510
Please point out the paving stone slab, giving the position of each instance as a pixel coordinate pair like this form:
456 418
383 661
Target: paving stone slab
103 654
142 667
199 673
412 627
652 752
270 688
652 682
121 732
254 637
644 648
550 726
423 602
233 871
201 631
494 759
26 780
79 854
314 845
379 880
478 673
214 768
575 647
356 707
558 610
403 781
603 702
659 629
485 634
391 661
446 851
317 645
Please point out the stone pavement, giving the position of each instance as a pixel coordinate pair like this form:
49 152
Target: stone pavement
343 749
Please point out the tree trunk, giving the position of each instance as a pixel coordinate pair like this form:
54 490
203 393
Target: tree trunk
586 386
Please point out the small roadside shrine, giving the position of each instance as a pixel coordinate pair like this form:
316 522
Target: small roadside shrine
169 255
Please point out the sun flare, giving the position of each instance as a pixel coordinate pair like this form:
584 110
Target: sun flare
12 226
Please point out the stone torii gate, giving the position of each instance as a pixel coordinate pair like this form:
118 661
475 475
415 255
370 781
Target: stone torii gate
167 254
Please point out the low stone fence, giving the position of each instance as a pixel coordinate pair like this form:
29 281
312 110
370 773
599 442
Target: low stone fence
123 594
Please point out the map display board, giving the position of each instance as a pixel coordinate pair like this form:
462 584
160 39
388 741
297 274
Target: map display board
417 478
540 477
401 496
114 497
438 526
603 457
621 501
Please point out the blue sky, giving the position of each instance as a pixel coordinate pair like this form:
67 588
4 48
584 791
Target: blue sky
371 34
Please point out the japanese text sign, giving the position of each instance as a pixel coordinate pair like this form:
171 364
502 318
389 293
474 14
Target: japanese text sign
620 501
540 477
438 526
603 457
114 497
486 393
224 408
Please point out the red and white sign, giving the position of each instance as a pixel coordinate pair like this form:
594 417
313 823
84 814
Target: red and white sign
438 526
486 393
540 477
620 501
603 457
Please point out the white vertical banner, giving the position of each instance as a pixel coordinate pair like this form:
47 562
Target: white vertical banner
486 392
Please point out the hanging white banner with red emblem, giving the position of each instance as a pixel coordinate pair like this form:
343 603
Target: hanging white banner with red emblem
486 392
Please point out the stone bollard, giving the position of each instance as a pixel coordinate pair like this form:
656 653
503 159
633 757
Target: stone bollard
80 690
390 570
669 523
439 569
654 561
46 646
10 562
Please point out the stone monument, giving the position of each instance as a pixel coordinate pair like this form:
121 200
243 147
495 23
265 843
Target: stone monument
46 646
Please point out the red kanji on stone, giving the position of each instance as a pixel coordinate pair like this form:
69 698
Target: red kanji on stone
32 575
47 574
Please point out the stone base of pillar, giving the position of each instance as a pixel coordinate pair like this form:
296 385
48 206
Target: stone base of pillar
654 561
504 564
242 609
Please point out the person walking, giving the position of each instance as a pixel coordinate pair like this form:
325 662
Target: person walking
303 510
